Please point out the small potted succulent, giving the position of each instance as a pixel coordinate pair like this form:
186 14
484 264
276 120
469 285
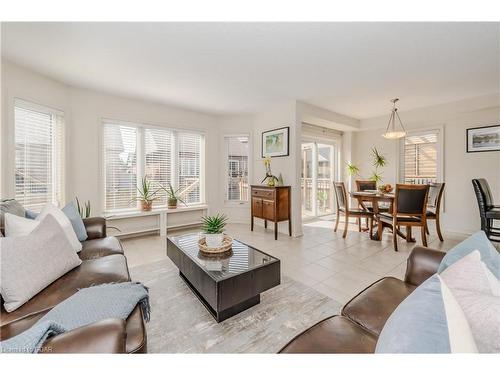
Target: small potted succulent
146 194
213 227
173 196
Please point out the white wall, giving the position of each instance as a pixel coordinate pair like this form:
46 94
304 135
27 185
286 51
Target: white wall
279 116
234 125
461 211
84 111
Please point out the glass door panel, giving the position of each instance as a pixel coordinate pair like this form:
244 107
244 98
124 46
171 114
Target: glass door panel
307 178
318 161
324 183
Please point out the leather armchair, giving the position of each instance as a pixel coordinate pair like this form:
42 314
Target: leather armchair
96 227
106 336
422 264
357 329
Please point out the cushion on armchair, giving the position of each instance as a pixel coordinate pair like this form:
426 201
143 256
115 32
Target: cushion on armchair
10 206
32 262
428 321
71 211
478 241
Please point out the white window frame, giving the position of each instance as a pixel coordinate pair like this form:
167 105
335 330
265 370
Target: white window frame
439 146
140 149
227 202
32 106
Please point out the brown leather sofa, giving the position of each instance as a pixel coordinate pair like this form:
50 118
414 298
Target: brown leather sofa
361 320
103 261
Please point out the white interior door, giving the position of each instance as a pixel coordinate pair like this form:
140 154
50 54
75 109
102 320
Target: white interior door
318 171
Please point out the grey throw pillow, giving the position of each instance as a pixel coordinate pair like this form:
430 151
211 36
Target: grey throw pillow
10 206
30 263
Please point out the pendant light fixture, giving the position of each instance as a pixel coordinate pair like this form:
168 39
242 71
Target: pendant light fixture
393 131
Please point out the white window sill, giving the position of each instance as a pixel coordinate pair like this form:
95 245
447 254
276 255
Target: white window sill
236 204
154 211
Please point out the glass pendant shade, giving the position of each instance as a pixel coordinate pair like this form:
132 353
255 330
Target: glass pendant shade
394 131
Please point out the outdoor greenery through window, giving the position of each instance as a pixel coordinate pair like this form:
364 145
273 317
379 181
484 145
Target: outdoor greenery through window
39 155
165 156
237 168
420 159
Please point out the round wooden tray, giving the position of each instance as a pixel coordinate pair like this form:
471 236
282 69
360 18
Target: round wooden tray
227 243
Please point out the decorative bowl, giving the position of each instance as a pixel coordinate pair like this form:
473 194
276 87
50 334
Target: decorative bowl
384 189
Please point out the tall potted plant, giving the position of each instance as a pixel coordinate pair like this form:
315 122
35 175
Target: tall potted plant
146 194
173 197
213 227
378 161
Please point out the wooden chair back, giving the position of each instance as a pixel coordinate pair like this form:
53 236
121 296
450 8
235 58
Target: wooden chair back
341 195
411 199
435 195
363 185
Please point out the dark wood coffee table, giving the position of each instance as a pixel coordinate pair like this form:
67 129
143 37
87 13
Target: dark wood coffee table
225 285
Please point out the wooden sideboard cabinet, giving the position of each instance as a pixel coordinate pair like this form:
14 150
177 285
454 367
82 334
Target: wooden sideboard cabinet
272 204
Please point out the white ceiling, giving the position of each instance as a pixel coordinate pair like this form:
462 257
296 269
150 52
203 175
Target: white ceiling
350 68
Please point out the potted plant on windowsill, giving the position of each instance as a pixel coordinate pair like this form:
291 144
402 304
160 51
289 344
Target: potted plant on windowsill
173 197
213 227
146 194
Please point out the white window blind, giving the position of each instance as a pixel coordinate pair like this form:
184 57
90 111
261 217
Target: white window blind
189 151
420 158
120 165
39 155
159 145
237 153
164 156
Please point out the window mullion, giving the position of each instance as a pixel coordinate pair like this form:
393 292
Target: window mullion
141 158
175 170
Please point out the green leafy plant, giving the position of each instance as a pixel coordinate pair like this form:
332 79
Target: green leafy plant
146 192
379 161
172 194
214 224
377 177
352 169
83 211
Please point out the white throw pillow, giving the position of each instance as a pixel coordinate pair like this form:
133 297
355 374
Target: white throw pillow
476 290
31 263
64 222
16 226
471 273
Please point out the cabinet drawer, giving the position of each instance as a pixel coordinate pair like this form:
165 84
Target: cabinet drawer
268 210
257 207
263 193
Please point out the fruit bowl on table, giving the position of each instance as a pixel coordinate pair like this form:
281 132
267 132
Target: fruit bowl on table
385 189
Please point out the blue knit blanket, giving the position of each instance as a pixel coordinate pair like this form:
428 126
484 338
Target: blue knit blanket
86 306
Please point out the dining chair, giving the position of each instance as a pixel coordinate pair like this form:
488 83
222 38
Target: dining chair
409 210
364 185
488 211
343 206
434 206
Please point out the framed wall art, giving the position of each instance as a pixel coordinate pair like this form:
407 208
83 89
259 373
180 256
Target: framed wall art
486 138
276 142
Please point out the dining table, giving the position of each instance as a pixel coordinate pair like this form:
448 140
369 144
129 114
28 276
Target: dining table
374 198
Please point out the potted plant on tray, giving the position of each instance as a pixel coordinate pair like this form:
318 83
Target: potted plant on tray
146 194
173 197
213 227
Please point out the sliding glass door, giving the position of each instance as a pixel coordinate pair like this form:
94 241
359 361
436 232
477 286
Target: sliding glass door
318 171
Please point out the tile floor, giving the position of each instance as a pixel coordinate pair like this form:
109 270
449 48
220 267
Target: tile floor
321 259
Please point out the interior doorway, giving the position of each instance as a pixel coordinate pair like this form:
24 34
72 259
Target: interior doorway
319 160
